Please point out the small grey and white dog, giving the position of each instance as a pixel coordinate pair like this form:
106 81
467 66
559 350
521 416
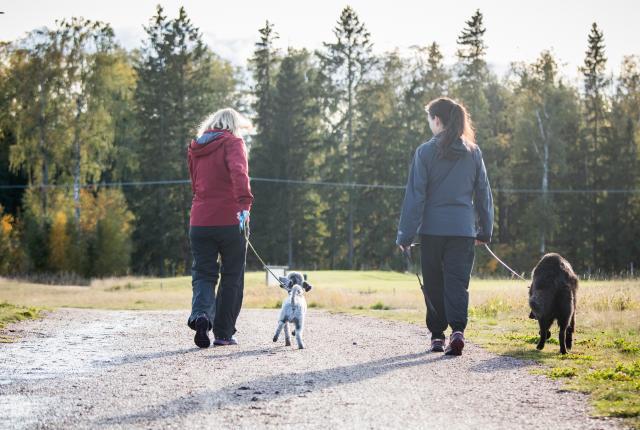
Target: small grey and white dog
294 308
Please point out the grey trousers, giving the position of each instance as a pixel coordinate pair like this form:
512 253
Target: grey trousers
446 269
221 307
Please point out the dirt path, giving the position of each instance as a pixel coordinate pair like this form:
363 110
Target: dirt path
126 369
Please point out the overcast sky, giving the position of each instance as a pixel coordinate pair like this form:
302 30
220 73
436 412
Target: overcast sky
516 30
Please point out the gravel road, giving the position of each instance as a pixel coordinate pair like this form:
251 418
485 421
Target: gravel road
139 369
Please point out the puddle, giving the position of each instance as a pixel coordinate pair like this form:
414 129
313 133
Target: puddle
73 347
19 411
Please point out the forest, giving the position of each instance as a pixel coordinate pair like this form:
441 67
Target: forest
93 138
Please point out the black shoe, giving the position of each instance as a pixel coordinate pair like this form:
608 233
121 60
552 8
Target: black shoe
202 332
456 343
222 341
437 345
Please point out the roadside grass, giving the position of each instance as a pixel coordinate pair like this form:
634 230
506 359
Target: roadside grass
10 313
605 360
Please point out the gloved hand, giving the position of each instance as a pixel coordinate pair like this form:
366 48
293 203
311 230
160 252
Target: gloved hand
243 218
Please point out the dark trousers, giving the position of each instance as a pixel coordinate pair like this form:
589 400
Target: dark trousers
446 269
222 308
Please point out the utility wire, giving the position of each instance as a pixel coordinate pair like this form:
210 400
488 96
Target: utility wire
315 183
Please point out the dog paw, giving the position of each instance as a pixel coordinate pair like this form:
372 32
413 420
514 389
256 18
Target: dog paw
539 347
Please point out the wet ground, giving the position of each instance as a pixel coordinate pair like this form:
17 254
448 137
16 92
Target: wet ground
140 369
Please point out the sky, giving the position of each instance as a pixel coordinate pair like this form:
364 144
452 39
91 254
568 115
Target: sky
516 30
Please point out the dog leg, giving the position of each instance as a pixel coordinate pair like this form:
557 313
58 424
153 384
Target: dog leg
570 330
544 329
299 334
287 337
564 324
278 330
562 338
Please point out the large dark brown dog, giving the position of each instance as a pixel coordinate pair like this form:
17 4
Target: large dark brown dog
552 296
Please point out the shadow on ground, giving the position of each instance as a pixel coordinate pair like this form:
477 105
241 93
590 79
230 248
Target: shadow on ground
271 387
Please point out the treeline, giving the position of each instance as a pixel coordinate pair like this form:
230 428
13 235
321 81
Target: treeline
79 114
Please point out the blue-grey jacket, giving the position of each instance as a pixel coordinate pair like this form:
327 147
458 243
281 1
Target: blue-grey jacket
446 196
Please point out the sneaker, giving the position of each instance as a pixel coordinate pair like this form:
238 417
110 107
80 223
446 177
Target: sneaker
456 343
437 345
202 332
222 341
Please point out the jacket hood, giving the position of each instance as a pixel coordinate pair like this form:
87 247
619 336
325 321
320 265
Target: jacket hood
209 142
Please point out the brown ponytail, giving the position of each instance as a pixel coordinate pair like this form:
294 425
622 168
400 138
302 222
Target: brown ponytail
456 122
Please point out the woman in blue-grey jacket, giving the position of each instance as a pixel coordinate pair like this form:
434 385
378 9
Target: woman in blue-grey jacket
448 203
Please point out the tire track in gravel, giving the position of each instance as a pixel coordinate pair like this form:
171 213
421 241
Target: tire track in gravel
139 369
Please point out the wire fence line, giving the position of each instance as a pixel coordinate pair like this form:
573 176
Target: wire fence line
171 182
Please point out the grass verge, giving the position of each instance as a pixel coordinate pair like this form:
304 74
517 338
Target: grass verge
11 313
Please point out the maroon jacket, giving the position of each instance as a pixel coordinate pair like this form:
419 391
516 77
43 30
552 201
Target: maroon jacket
219 179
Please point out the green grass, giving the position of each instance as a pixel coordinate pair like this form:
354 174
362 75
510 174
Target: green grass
10 313
604 360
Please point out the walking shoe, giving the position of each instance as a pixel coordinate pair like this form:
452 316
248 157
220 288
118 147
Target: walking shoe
222 341
437 345
202 332
456 343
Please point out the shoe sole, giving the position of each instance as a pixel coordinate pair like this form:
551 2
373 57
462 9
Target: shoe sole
455 347
224 344
201 338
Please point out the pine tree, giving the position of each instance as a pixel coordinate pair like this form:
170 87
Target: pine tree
345 63
619 221
264 158
178 84
383 156
594 129
264 65
428 80
296 125
472 49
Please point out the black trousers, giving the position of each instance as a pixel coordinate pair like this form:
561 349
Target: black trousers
221 307
446 269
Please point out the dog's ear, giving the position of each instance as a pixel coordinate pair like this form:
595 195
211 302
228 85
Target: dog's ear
285 282
307 286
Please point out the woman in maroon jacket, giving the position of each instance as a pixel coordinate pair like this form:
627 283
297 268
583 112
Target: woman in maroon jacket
221 201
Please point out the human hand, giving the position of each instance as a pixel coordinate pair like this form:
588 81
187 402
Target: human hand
243 218
480 243
405 249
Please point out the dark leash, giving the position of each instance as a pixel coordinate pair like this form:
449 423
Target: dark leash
407 255
248 244
503 263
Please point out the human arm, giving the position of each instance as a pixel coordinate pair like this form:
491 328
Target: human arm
414 200
483 202
236 161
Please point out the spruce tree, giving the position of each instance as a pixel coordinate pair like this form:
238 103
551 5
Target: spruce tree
594 129
179 81
472 49
264 157
429 79
345 63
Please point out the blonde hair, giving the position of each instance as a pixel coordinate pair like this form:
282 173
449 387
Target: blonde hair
226 119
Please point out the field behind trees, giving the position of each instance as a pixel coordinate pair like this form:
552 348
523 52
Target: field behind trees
93 145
